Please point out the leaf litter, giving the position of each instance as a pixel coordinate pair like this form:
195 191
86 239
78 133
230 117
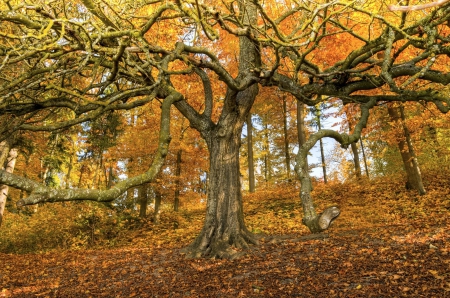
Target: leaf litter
388 242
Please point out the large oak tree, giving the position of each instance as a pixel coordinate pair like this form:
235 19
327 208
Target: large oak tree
73 61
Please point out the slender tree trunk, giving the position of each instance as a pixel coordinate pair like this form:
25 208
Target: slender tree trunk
80 179
266 148
5 147
110 177
27 163
416 180
156 214
176 200
143 200
129 203
97 172
315 222
45 174
322 158
322 154
69 172
413 175
356 160
9 167
286 140
301 130
251 166
364 157
354 148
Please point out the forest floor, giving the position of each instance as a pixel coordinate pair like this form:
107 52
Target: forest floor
388 242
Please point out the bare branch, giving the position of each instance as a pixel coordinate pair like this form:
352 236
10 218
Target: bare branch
417 7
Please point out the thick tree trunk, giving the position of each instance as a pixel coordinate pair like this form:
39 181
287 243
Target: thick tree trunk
251 167
224 227
286 141
9 167
413 175
224 233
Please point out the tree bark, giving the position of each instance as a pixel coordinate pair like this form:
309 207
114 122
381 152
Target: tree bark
286 140
413 175
143 200
356 160
354 148
322 154
176 199
224 231
301 134
5 147
315 222
224 227
266 148
158 198
364 157
251 166
9 167
324 165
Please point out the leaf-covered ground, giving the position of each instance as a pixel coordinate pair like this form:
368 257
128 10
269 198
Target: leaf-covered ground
387 243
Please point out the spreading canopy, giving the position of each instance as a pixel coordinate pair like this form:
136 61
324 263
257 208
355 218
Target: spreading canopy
72 61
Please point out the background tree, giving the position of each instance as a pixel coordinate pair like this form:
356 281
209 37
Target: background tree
250 164
411 166
316 122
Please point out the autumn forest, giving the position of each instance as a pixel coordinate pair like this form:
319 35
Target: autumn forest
199 148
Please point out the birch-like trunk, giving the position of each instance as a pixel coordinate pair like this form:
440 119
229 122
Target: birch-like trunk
286 141
9 167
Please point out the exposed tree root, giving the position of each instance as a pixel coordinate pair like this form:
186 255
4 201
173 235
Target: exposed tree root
226 246
273 239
